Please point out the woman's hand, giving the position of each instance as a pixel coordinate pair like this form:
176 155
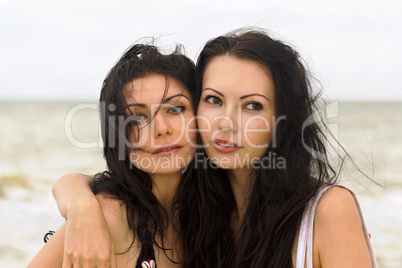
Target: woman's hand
87 238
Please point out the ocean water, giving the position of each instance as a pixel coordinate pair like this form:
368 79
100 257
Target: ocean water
39 142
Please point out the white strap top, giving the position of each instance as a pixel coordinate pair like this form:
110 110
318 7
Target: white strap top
305 242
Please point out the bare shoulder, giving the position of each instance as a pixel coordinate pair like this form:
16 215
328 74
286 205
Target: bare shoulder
338 232
108 200
51 254
336 202
113 210
115 214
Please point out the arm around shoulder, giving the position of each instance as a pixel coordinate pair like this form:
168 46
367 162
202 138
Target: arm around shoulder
72 188
87 237
339 239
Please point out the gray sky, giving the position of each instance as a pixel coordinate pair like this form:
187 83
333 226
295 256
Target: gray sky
64 49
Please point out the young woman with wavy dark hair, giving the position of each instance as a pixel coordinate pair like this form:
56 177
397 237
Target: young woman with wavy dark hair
146 108
267 198
264 193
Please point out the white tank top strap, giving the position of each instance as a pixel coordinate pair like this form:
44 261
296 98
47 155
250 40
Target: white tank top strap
305 241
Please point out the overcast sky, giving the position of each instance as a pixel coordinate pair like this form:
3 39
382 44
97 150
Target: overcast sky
64 49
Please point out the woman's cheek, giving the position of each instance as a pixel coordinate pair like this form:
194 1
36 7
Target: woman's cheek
204 122
191 129
257 132
141 138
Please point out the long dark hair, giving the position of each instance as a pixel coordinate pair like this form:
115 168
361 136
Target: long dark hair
123 180
277 196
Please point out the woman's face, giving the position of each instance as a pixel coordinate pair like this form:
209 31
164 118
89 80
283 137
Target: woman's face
163 139
236 113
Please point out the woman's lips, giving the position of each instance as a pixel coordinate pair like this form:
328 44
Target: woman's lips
167 150
225 146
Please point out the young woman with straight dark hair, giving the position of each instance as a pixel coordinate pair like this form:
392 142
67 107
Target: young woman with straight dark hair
268 166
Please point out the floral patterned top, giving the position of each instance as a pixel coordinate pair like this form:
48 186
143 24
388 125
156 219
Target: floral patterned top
148 264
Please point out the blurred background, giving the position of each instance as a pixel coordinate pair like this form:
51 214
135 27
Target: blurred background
54 56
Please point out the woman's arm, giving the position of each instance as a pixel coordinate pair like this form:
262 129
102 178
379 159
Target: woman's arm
51 255
87 239
339 240
72 190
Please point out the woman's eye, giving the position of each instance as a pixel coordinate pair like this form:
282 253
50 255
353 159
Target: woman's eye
254 106
176 109
137 118
213 100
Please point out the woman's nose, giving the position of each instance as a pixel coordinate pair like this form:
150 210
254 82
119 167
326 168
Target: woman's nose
230 118
161 126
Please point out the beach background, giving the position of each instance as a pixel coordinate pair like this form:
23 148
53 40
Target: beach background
54 56
36 148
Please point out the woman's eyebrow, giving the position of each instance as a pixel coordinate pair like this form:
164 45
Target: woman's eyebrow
142 105
242 97
174 96
216 91
254 94
135 104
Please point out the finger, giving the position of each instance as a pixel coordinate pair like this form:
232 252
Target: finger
112 257
91 264
103 259
66 262
78 262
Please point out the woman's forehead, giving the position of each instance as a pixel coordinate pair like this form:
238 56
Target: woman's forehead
235 76
153 89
